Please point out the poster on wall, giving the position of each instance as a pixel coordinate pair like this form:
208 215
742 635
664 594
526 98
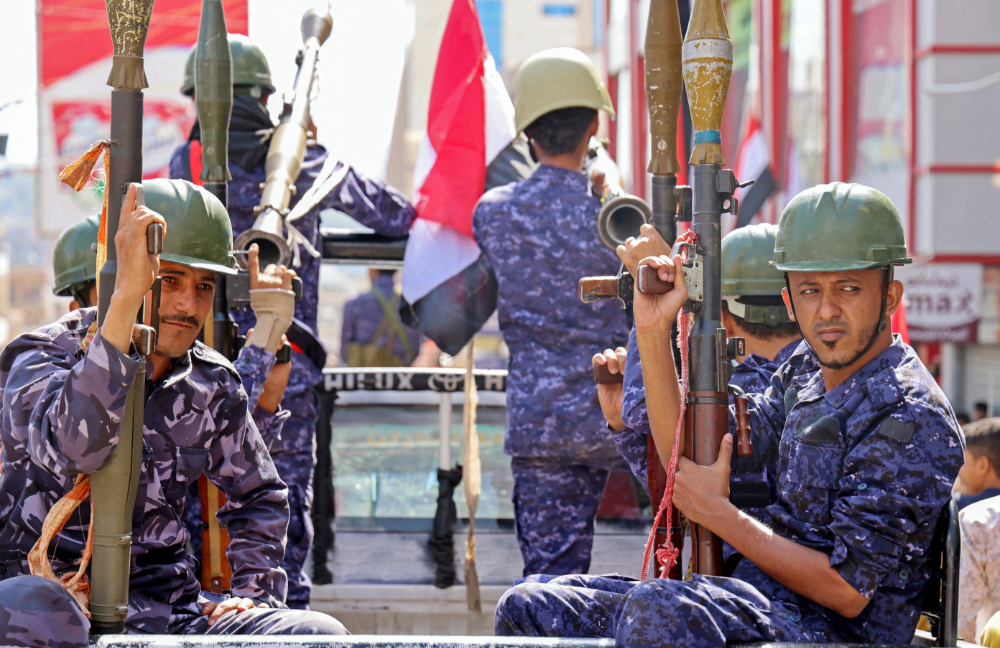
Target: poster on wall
943 301
75 101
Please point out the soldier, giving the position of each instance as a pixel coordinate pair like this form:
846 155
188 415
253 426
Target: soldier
539 236
63 391
371 203
865 449
373 334
74 263
751 308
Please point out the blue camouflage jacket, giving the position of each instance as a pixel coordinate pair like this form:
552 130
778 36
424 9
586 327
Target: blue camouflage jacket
540 237
863 472
61 415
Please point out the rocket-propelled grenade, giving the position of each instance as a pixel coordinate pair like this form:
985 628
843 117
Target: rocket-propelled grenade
287 149
663 84
213 94
708 63
663 99
114 486
708 66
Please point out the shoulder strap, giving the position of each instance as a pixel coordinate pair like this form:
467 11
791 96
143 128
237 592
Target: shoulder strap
397 327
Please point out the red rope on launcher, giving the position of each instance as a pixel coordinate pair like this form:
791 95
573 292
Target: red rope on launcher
668 553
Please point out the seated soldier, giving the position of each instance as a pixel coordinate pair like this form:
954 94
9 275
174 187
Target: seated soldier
865 449
63 391
979 580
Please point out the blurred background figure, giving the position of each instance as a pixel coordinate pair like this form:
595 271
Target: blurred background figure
372 333
979 584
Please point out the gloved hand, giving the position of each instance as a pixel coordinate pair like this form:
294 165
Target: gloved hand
274 308
272 300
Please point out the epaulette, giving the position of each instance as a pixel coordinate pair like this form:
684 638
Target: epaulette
206 354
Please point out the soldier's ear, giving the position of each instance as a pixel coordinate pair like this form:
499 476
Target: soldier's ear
894 297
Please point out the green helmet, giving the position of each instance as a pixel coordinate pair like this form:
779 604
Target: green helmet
249 66
839 227
199 234
74 260
558 78
747 272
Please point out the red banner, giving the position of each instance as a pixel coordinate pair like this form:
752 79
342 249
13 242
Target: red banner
74 33
75 102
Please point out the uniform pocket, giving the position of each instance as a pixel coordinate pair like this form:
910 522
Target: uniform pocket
190 463
815 472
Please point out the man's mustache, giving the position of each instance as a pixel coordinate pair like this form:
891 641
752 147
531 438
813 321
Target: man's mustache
818 326
180 319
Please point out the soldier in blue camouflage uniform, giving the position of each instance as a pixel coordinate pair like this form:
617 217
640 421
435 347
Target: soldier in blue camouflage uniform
751 309
865 448
540 236
373 320
63 390
371 203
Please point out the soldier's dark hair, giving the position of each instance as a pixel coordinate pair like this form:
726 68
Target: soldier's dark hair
982 439
760 330
561 131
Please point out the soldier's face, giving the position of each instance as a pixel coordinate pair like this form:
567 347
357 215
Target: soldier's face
838 312
185 300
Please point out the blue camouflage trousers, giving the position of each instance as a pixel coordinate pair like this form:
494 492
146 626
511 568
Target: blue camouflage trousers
702 613
36 612
555 505
294 455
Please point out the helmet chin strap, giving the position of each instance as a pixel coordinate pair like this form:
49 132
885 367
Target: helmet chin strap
881 318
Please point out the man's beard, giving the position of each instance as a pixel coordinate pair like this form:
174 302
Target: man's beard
866 335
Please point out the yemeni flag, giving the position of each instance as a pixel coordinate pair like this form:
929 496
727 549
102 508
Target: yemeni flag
753 162
449 288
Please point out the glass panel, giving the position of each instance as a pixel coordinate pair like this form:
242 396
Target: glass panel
385 460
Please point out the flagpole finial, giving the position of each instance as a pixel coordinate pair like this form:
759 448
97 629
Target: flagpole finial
707 55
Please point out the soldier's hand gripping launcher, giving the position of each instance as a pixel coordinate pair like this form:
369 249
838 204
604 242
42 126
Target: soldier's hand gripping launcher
287 149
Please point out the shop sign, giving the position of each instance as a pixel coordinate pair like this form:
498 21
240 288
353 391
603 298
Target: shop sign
943 301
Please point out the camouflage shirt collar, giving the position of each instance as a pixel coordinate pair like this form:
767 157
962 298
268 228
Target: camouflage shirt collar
573 180
179 370
855 385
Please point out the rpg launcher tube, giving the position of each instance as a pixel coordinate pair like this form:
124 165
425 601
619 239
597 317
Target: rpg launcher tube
707 54
114 486
287 149
213 93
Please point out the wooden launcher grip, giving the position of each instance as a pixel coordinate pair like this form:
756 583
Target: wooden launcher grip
649 282
602 376
744 446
